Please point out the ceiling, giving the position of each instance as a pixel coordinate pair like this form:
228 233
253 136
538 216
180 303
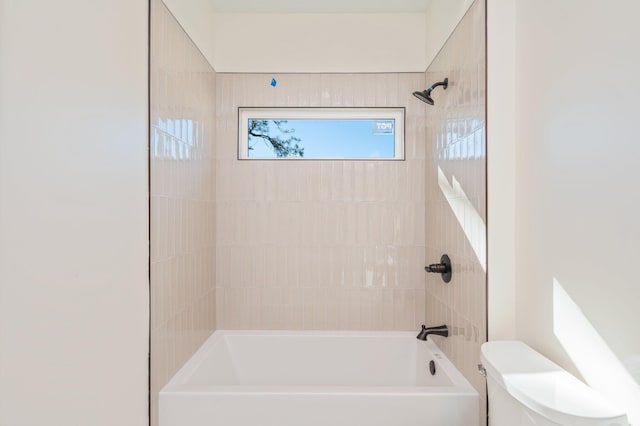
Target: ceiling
320 6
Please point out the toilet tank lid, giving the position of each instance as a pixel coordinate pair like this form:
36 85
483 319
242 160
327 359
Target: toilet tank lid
544 387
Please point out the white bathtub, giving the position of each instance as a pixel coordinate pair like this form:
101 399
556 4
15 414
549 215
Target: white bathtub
300 378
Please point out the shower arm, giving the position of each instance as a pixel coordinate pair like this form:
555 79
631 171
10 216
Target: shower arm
444 83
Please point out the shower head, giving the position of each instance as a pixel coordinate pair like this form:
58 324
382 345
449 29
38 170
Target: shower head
425 95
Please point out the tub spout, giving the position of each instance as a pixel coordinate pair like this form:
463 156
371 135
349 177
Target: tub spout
441 330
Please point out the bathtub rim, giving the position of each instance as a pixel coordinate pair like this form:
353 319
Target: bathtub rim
178 383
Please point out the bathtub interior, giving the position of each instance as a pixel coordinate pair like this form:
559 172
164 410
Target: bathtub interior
336 359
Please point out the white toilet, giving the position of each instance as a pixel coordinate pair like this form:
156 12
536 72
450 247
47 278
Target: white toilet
525 388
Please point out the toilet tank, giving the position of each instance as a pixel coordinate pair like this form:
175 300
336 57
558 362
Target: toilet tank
525 388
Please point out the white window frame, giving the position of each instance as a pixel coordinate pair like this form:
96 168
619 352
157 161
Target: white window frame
349 113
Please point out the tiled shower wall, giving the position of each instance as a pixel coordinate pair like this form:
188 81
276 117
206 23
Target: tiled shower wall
456 195
182 185
320 244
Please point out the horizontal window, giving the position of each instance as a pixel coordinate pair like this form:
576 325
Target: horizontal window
321 133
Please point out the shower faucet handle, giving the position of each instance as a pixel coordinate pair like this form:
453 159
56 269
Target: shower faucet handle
443 268
439 268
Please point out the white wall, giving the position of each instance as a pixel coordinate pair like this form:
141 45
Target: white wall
576 182
300 37
73 213
442 16
303 42
501 216
197 19
320 42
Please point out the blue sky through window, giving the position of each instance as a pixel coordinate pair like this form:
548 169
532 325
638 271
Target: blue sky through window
333 138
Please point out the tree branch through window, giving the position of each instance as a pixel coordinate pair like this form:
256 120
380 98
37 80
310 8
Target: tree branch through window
284 144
